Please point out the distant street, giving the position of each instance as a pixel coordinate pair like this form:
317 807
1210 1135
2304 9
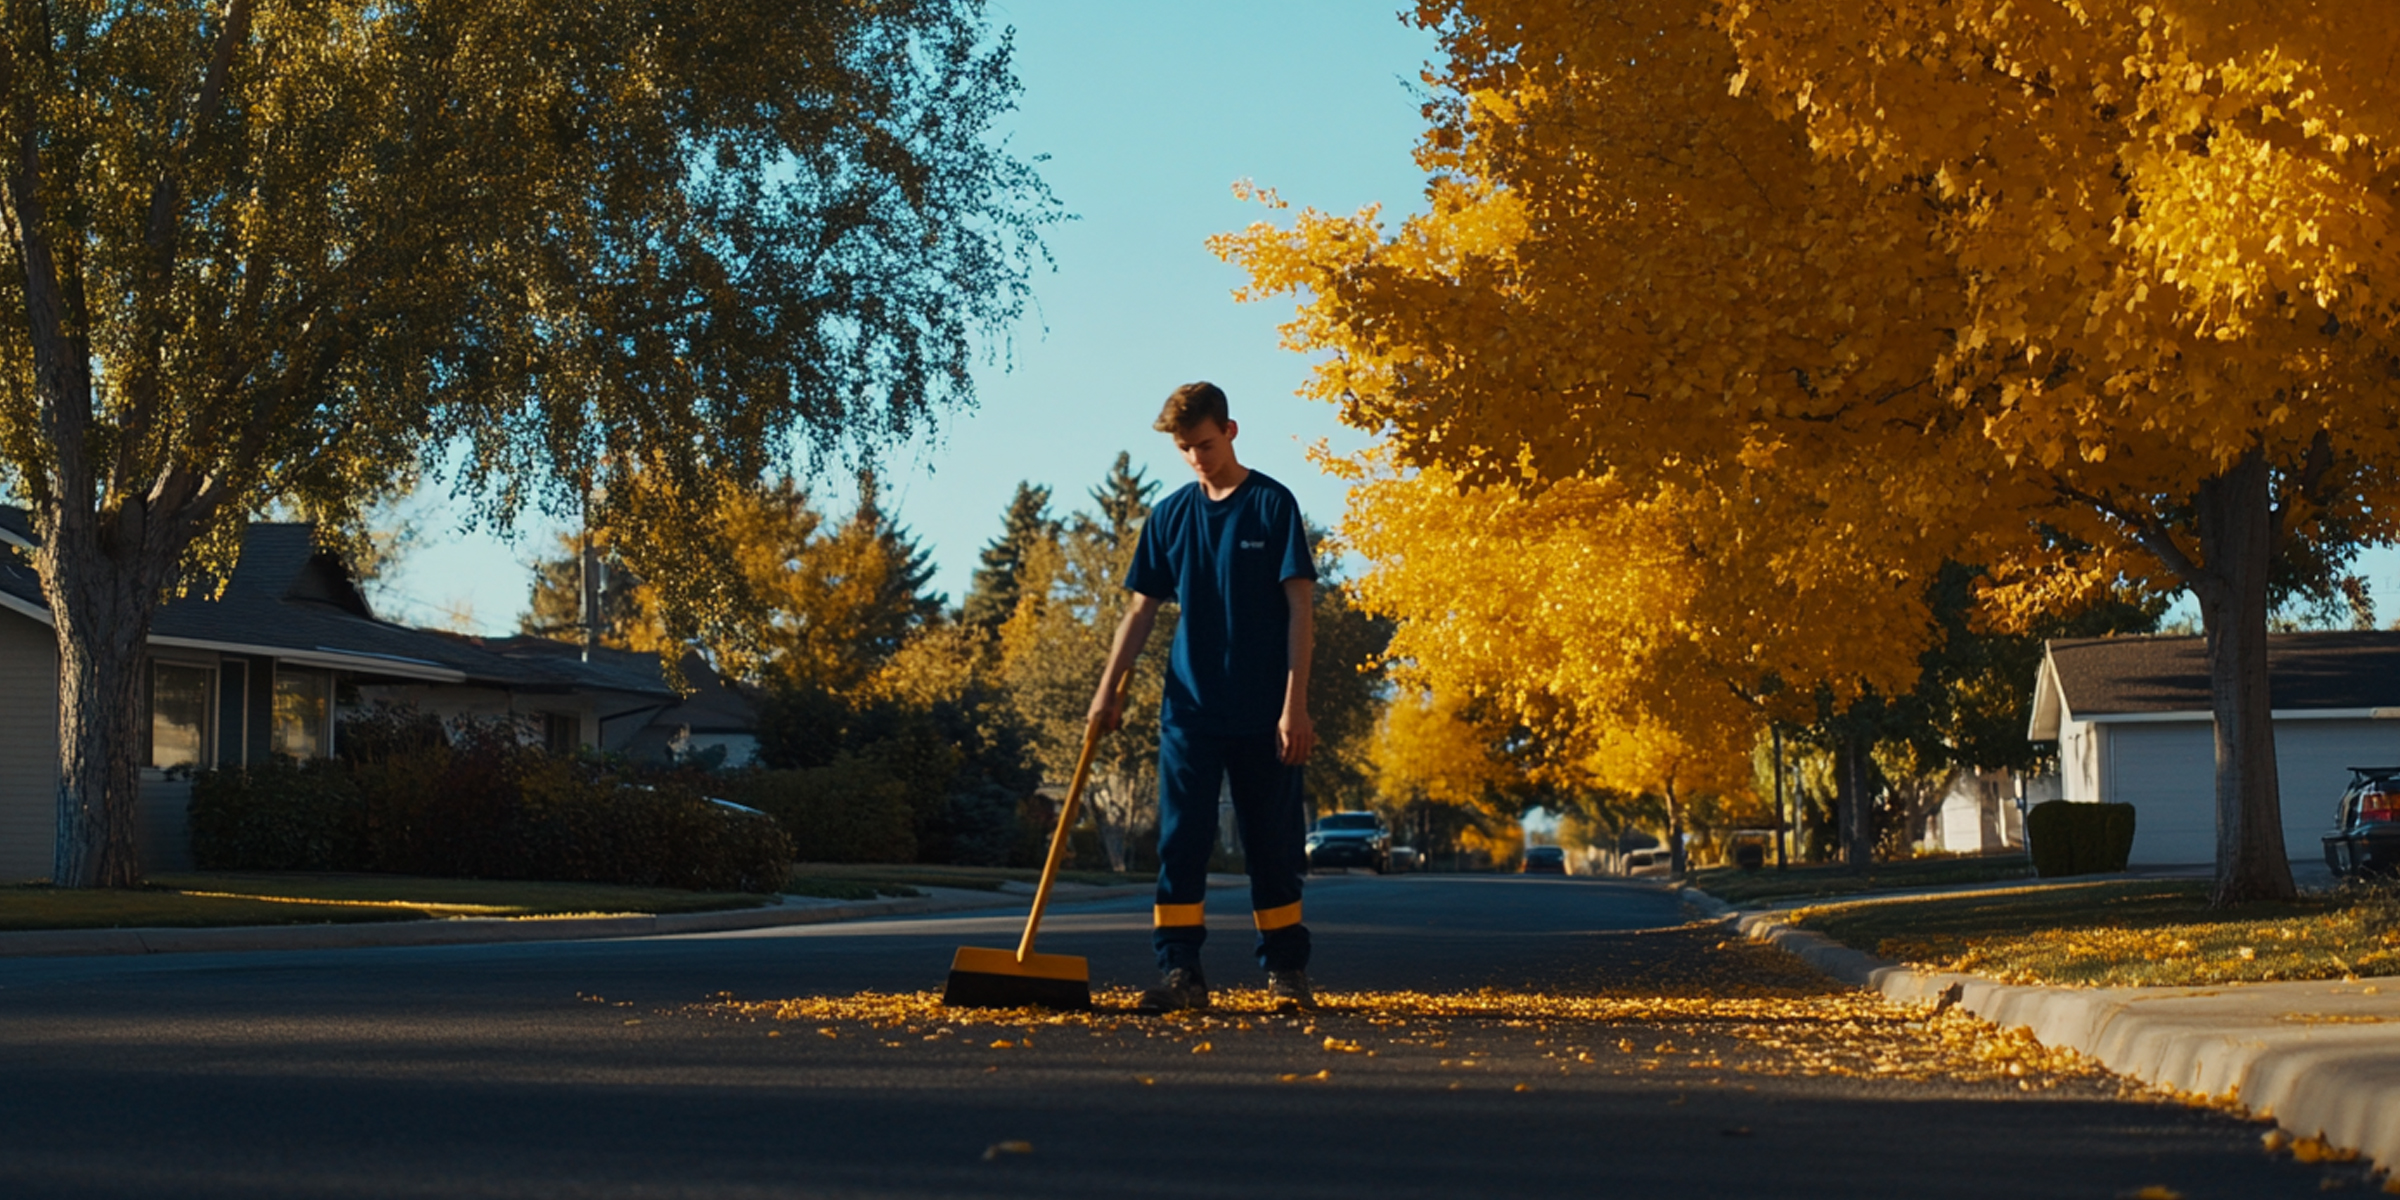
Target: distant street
1618 1052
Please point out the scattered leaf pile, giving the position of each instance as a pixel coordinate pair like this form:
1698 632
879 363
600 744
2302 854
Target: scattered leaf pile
1849 1034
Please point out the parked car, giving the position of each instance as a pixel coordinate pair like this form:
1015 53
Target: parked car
1350 839
1749 848
1649 862
1543 860
2366 825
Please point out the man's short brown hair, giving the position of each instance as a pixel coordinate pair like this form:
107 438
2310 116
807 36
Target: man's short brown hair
1189 405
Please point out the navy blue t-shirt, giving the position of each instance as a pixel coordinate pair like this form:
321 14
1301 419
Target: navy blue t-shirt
1224 563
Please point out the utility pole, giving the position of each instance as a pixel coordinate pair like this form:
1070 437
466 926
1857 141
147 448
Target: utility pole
590 579
1783 824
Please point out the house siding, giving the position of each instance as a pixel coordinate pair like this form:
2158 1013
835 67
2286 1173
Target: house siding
2079 761
29 755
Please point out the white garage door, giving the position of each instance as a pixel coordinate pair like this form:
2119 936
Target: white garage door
2167 772
2314 758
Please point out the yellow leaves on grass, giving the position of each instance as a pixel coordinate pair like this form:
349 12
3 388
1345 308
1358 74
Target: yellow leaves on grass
2160 937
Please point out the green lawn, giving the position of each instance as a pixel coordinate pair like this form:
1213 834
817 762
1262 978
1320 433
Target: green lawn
314 898
2124 933
1738 887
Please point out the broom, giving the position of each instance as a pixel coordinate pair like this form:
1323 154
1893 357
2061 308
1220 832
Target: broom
982 978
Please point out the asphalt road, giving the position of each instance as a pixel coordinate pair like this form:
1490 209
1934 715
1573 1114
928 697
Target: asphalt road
631 1069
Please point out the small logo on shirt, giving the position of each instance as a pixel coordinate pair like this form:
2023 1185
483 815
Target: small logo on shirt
1250 545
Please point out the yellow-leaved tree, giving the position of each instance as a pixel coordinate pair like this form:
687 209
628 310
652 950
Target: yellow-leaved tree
806 602
2082 292
1640 641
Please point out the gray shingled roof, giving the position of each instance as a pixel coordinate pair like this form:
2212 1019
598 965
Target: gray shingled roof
712 707
2330 670
289 598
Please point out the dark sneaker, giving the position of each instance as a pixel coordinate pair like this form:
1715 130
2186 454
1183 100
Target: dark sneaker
1179 989
1289 990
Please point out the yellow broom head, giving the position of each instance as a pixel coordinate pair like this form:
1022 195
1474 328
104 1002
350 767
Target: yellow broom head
983 978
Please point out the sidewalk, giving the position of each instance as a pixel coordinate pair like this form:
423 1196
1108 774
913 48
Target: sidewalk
2321 1059
793 910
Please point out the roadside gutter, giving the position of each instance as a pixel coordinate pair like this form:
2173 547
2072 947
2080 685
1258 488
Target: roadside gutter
2321 1058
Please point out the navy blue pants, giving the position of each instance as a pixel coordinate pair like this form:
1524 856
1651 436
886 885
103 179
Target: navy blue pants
1273 819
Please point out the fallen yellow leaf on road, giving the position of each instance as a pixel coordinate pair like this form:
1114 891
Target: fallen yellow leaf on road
996 1149
2157 1192
1004 1044
1204 1048
1319 1077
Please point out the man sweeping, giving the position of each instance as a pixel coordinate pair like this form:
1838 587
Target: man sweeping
1231 551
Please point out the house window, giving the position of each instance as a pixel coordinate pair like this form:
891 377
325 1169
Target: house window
562 733
179 712
303 708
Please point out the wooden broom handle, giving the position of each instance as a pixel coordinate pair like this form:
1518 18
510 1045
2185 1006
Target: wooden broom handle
1066 822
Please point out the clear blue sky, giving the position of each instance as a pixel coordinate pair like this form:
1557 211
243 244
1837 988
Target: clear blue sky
1149 111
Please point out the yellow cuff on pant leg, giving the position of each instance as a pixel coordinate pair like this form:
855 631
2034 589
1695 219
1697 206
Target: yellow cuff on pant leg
1164 915
1279 917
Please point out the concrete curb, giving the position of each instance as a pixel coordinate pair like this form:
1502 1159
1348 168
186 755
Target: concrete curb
477 930
2318 1058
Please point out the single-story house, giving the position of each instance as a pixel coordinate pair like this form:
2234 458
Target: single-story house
1983 811
2133 723
267 667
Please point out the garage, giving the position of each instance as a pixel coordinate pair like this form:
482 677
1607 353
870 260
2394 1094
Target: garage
2132 721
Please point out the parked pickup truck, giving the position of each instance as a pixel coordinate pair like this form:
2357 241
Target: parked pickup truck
2366 826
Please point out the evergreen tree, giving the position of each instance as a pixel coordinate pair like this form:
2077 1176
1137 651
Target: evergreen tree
1123 500
993 594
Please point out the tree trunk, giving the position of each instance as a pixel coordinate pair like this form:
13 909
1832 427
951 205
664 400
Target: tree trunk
102 610
2236 544
1675 859
1857 816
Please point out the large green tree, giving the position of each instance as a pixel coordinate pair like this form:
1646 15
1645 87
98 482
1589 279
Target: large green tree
259 253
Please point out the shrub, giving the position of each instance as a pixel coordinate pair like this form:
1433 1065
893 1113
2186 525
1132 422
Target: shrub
846 811
962 762
2071 838
476 799
278 816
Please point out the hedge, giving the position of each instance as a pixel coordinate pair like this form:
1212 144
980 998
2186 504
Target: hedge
846 811
2070 838
475 800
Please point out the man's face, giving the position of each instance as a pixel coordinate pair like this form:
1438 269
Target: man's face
1207 447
